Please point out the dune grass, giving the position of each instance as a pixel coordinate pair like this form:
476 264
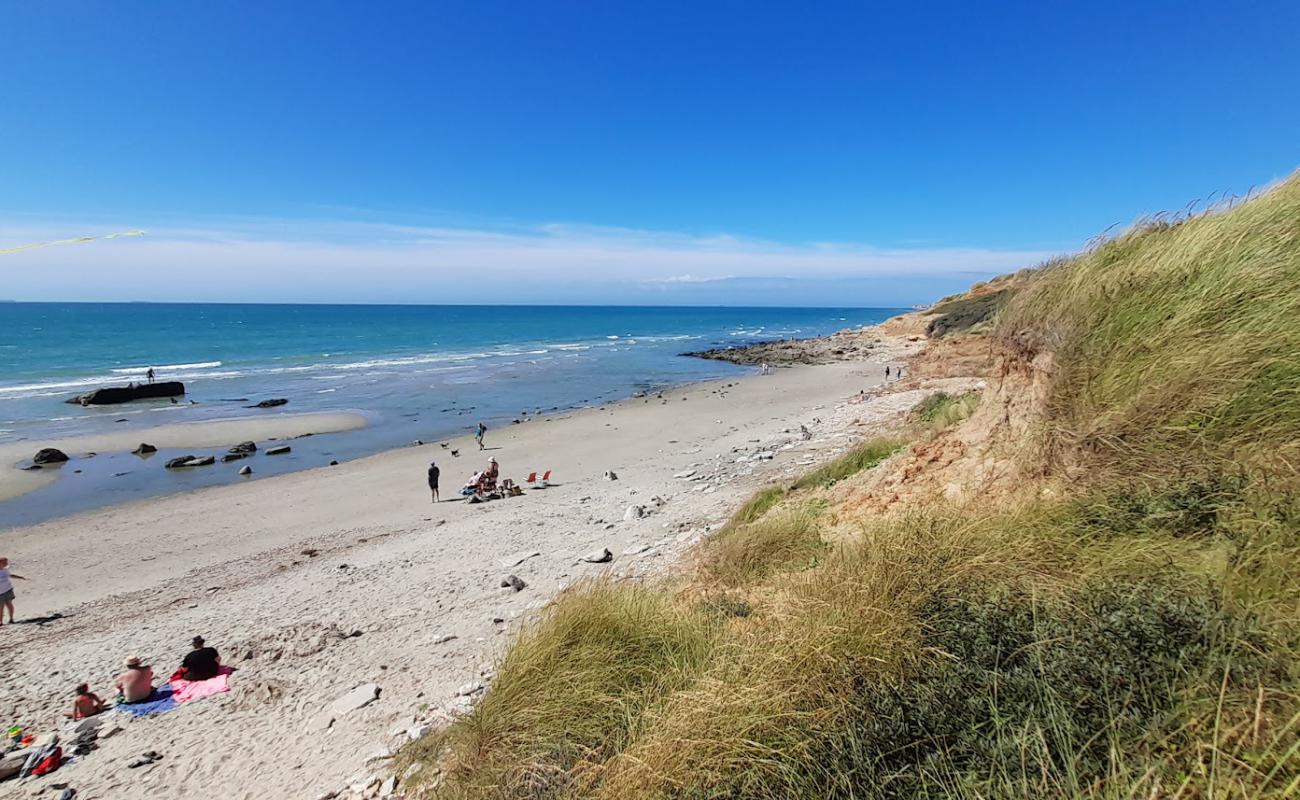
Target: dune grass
571 690
1131 633
862 457
943 410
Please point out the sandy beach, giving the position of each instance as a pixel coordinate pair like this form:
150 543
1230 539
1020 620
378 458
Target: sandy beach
315 582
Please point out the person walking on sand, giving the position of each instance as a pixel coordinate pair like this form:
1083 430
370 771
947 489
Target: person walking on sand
886 372
434 472
7 579
149 375
478 434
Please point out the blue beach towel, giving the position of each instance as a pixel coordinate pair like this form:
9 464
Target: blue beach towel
160 701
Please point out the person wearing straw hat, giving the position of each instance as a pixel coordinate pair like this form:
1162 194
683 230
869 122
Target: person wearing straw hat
136 684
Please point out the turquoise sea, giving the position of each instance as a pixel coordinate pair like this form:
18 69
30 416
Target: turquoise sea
415 372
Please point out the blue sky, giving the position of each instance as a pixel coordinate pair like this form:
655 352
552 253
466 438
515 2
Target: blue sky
736 152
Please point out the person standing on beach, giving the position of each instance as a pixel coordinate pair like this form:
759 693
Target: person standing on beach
7 579
478 434
886 373
434 472
149 375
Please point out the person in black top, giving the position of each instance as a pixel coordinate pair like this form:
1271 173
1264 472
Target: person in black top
202 662
433 480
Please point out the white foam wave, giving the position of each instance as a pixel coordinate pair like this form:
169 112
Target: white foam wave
167 368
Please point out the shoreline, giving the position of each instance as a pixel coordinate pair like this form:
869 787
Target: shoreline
206 434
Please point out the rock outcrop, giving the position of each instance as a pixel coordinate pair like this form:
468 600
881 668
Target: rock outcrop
49 455
112 395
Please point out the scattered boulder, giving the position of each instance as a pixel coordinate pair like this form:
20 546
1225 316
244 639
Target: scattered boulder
358 698
49 455
513 582
610 475
633 513
200 461
245 470
228 457
144 449
278 451
178 462
601 556
243 447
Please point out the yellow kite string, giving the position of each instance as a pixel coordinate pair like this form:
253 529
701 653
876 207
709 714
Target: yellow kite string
78 240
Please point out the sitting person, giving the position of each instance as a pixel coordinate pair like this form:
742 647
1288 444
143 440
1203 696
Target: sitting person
136 684
87 703
200 663
473 484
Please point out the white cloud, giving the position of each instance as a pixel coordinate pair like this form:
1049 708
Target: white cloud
354 261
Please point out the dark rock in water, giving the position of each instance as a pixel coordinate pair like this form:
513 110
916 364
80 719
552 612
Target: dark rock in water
233 456
281 450
244 448
178 461
125 394
49 455
144 449
334 463
245 470
201 461
272 403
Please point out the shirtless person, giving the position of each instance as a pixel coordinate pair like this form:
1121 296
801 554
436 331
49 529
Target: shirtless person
136 684
87 703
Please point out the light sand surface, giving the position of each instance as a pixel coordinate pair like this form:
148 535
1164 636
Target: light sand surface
210 433
314 582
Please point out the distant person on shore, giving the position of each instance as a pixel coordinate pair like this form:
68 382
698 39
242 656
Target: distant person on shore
7 579
478 434
149 375
765 370
87 703
136 684
492 471
434 472
202 662
886 372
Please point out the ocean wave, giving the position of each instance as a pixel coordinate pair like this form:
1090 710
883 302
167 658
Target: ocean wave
167 367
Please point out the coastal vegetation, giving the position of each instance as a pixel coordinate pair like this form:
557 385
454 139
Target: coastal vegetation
1114 614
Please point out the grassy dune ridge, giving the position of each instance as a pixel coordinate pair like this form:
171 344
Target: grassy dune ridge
1124 625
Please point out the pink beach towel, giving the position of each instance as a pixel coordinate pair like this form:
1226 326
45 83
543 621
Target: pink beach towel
184 691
